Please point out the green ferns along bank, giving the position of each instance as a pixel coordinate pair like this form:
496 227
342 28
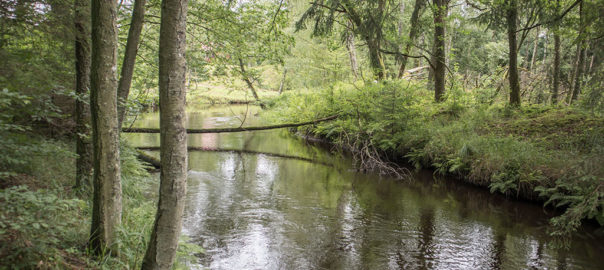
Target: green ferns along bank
552 154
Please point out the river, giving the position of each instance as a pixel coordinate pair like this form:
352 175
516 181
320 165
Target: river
286 204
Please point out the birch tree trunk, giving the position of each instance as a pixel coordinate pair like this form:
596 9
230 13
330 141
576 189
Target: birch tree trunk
107 198
82 107
173 176
134 34
512 16
352 54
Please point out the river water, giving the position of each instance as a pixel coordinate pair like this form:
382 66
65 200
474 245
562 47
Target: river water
286 204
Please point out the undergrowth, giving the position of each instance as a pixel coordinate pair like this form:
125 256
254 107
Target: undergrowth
537 152
45 224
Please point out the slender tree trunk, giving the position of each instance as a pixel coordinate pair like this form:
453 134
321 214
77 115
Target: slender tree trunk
107 201
512 16
82 107
556 71
282 85
579 73
580 58
413 31
439 49
173 176
400 21
535 46
134 34
247 80
352 53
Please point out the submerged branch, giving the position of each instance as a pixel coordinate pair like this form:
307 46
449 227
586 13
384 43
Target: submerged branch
239 129
231 150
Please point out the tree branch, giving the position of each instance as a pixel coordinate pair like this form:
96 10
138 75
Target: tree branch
553 20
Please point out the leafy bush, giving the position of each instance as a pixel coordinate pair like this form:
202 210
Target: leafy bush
36 223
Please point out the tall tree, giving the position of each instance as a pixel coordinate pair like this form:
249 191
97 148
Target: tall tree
556 71
440 13
134 33
82 107
173 176
511 20
413 31
367 19
580 57
107 199
352 52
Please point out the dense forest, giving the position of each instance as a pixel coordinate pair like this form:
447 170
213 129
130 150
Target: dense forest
504 95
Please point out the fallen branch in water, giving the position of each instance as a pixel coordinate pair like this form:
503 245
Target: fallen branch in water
244 151
239 129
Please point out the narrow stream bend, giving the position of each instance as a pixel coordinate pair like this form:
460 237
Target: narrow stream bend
285 204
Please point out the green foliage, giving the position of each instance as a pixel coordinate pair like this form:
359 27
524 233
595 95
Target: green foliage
527 152
37 224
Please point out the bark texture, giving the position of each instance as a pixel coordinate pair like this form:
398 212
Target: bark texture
107 201
82 107
413 31
439 49
172 92
512 17
134 34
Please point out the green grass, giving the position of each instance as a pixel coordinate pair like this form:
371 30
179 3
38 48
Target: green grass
537 152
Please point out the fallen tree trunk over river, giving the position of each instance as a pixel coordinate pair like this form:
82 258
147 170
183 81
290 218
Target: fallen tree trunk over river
239 129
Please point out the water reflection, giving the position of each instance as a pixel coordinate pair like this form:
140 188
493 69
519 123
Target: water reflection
255 211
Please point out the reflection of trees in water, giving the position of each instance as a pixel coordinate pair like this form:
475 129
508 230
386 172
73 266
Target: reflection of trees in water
425 243
498 250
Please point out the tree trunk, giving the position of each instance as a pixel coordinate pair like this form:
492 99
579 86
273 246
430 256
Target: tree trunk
247 80
534 54
556 71
417 10
173 175
580 58
282 85
107 201
375 58
134 33
352 53
579 73
512 14
439 49
82 107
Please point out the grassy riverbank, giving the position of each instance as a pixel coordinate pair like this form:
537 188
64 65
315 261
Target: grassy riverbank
551 154
45 223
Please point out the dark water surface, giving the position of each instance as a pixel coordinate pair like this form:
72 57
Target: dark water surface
307 209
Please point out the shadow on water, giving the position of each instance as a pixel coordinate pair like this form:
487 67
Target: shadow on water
251 210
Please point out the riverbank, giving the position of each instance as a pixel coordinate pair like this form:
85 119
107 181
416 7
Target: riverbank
540 153
45 222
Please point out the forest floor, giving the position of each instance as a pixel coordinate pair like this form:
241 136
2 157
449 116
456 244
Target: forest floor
550 154
45 222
